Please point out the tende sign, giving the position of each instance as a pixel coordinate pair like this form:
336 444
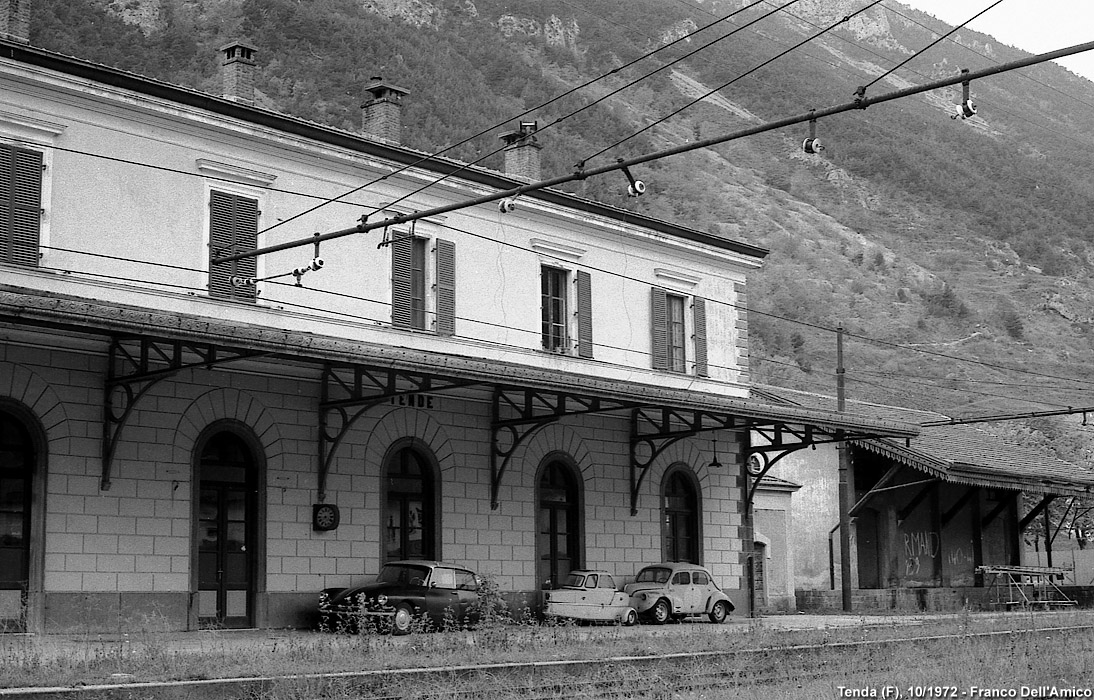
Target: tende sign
416 400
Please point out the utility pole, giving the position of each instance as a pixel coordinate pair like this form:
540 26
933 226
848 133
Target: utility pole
845 477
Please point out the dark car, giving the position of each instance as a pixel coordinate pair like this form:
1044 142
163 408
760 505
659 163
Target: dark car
402 592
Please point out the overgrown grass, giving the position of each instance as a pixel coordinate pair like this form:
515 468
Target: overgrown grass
148 654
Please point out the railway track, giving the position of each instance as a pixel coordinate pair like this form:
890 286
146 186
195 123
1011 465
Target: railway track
654 676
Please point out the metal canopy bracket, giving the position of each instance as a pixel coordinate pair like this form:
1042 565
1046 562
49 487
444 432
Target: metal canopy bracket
516 413
347 392
135 365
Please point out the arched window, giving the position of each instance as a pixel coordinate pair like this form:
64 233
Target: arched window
17 461
680 505
227 514
558 544
410 520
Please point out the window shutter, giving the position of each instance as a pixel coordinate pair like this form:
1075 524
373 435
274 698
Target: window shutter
659 327
401 263
699 320
584 314
446 287
233 228
20 205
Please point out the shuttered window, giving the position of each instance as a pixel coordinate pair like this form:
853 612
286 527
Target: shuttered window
408 282
20 205
446 287
233 228
668 335
699 325
584 314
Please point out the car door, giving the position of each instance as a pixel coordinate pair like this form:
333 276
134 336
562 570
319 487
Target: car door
691 596
442 594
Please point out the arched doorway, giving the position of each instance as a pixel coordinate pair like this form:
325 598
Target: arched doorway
18 465
227 529
410 506
559 543
680 516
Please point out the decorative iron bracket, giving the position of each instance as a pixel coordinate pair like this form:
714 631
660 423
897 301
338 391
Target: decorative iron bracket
349 391
135 365
655 428
518 412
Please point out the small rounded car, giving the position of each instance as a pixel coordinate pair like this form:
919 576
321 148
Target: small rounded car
662 592
403 592
590 594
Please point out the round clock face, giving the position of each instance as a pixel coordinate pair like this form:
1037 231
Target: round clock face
325 517
755 464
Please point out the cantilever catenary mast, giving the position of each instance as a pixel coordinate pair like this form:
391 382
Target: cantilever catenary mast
861 101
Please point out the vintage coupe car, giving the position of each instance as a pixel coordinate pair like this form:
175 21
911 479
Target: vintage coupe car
402 592
662 592
590 595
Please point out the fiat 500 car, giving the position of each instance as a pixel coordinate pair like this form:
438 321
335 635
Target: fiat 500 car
403 592
663 592
590 595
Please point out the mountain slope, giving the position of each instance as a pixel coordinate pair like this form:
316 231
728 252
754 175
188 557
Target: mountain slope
967 240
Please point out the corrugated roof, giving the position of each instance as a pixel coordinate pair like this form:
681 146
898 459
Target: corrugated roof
963 454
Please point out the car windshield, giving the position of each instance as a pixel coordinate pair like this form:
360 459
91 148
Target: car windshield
406 574
574 581
653 574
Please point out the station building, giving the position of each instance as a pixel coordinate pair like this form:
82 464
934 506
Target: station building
519 389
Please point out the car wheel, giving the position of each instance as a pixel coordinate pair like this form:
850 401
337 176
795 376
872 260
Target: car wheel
719 612
404 616
661 612
630 617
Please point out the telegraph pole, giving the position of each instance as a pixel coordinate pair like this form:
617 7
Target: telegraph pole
845 481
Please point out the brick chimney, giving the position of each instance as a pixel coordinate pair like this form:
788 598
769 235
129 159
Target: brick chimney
522 152
15 20
382 116
238 72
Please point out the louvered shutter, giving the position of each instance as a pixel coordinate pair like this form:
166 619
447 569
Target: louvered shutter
20 205
446 287
233 228
401 263
659 328
584 314
699 321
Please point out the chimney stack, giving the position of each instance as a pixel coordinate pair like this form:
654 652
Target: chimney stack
382 116
522 152
15 20
238 72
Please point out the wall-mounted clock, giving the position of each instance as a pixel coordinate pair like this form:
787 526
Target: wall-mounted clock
756 463
324 516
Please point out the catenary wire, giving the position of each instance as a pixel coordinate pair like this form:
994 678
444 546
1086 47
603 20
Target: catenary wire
927 47
727 84
483 132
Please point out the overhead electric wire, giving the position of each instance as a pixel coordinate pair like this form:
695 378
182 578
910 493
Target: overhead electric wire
483 132
928 47
727 84
749 310
604 97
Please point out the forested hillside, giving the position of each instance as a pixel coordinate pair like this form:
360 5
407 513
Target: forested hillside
958 254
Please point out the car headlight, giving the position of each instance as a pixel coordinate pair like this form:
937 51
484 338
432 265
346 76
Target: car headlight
381 599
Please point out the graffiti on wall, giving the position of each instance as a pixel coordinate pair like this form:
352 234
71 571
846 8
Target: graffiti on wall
920 545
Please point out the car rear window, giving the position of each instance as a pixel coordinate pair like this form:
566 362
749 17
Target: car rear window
653 574
574 580
606 581
466 581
